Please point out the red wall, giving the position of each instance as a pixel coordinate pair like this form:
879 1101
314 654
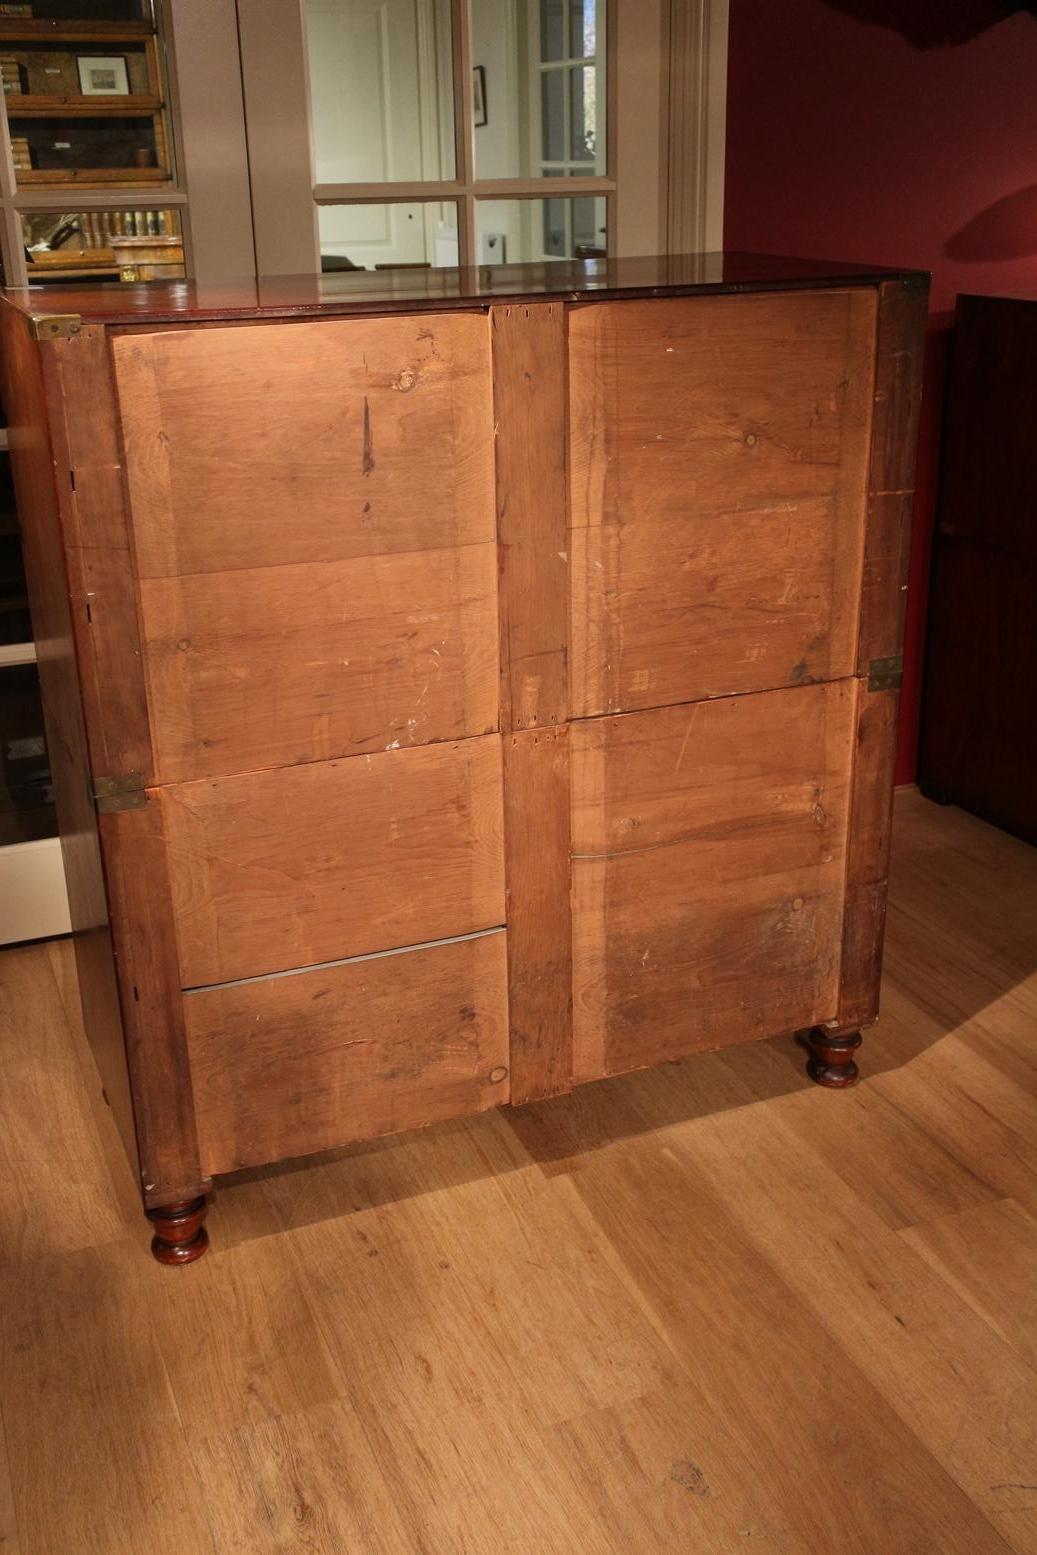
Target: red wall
846 140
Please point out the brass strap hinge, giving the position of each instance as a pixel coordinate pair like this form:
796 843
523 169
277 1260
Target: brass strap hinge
120 793
55 326
886 674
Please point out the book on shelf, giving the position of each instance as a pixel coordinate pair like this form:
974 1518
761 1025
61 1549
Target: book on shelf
9 8
14 75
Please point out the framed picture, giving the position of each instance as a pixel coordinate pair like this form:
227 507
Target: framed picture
103 75
479 94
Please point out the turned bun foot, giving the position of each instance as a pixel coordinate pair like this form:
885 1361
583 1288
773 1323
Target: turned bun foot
180 1236
831 1060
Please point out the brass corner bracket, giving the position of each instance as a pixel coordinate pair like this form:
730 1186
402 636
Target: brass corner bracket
886 674
55 326
119 793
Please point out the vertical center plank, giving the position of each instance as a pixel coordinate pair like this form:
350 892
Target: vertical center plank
530 417
529 405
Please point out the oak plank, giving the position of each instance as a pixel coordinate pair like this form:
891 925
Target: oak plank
496 1337
250 1318
315 441
99 551
664 612
292 1065
867 858
64 650
137 872
124 1180
745 1334
717 494
312 863
988 1255
57 1190
898 391
309 1476
8 1525
708 856
97 1456
902 317
260 667
537 869
529 376
908 1329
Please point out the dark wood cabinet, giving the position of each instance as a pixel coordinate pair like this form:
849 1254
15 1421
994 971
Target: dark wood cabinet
463 690
979 733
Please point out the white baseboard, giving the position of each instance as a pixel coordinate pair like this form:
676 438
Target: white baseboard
33 899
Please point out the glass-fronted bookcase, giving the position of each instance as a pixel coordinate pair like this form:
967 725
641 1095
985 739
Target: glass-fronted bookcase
89 193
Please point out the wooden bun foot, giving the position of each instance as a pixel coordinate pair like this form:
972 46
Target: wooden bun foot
180 1236
831 1060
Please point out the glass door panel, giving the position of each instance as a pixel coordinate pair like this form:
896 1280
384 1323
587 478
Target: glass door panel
68 245
389 236
527 231
381 90
541 64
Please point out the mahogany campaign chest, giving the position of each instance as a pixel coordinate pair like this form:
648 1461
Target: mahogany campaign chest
462 685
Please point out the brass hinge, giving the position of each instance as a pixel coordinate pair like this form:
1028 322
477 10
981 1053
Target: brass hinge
55 326
120 793
886 674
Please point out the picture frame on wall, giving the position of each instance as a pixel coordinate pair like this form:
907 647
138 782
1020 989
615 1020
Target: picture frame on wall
479 95
103 75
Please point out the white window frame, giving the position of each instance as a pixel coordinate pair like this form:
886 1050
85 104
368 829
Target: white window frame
465 189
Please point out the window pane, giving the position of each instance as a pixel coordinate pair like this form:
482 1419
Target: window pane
381 90
582 28
65 245
552 107
541 116
552 29
555 238
524 231
583 87
388 237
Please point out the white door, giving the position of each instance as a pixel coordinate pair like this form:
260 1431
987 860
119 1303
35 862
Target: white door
374 95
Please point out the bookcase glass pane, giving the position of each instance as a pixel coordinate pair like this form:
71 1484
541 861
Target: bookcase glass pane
527 231
85 94
417 235
50 69
381 90
56 149
65 244
540 103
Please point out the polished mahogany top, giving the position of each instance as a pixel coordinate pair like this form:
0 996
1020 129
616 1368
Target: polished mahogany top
381 291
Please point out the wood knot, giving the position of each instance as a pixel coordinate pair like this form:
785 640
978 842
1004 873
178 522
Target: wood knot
498 1074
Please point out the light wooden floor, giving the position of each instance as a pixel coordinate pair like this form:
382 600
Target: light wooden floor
705 1309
